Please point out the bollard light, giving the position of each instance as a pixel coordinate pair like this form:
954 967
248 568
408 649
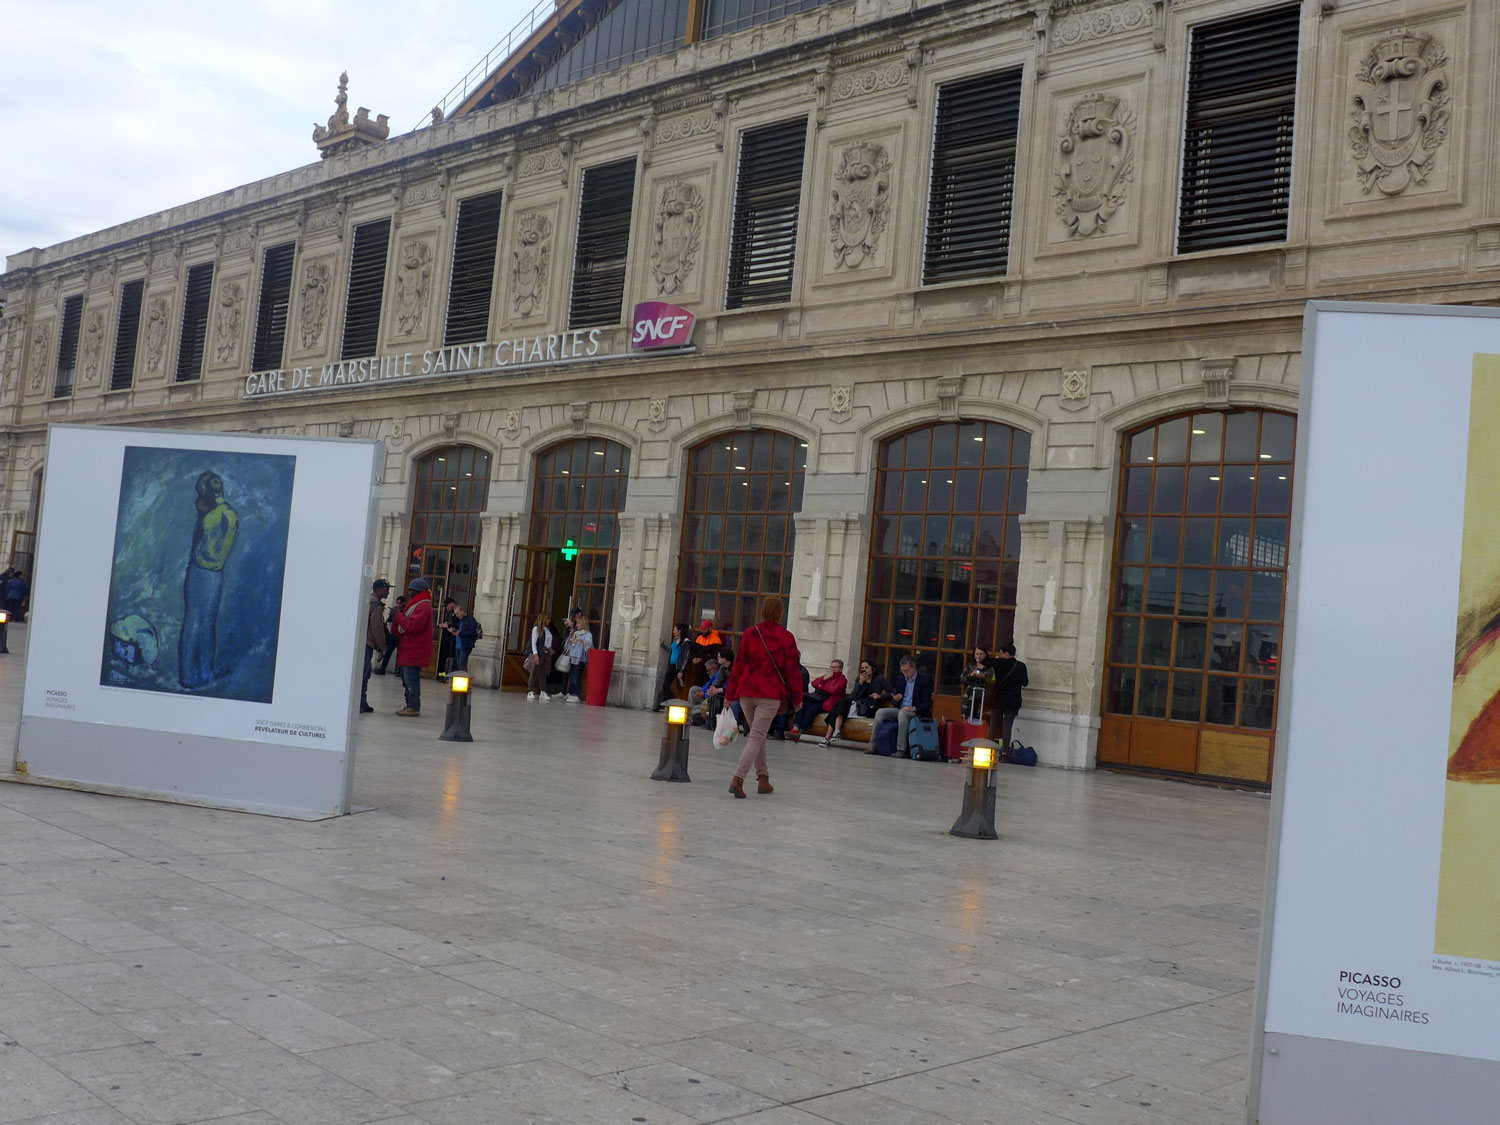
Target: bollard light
456 720
4 620
977 820
4 616
673 763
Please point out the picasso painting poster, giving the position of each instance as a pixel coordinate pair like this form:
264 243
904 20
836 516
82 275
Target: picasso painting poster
1468 917
196 579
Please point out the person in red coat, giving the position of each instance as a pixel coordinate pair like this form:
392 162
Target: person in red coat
827 693
413 629
766 681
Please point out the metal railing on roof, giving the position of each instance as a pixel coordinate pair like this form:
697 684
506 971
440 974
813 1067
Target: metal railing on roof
524 29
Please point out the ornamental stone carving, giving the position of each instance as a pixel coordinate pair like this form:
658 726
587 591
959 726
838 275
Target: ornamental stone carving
430 192
156 333
41 354
325 219
886 76
1216 373
1075 389
1082 27
861 203
1400 111
93 345
314 303
413 285
679 230
1096 163
513 422
529 263
227 326
656 414
10 351
685 125
841 401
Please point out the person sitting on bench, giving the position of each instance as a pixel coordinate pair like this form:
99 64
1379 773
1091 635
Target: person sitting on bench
914 692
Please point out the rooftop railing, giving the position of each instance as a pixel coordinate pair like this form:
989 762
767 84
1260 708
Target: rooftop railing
524 29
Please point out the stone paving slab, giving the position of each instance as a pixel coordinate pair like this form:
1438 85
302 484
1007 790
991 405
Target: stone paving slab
527 929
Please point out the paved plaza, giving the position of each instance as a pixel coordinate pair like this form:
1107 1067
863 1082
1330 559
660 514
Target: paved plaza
527 929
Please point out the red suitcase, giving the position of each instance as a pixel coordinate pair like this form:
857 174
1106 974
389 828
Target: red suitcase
954 734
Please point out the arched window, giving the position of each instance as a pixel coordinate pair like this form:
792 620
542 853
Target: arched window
737 536
946 547
450 488
1196 599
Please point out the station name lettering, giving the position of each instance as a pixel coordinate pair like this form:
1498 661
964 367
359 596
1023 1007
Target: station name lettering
524 351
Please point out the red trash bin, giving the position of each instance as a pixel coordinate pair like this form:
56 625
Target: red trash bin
597 672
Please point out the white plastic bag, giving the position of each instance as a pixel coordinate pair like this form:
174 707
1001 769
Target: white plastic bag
726 730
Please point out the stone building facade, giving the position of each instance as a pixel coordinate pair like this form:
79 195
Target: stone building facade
1117 327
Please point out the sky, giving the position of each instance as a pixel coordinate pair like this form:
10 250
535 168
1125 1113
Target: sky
112 111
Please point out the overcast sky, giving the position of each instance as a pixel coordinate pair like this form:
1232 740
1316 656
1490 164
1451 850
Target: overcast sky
111 111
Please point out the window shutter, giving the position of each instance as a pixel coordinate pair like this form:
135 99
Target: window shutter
767 199
973 178
366 289
127 334
275 300
1237 143
472 281
200 283
603 241
67 346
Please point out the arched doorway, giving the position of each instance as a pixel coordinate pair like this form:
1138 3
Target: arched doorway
1199 571
449 491
568 559
946 547
743 490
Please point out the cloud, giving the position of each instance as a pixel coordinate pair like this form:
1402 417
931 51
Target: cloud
109 112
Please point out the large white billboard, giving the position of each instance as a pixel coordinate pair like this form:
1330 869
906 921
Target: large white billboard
197 616
1380 970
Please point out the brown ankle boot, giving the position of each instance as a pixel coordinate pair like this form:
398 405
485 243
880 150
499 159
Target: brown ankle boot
765 784
737 786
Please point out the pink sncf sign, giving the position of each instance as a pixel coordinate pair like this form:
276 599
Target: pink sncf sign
656 324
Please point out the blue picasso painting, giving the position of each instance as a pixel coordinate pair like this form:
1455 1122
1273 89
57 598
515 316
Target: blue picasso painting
200 557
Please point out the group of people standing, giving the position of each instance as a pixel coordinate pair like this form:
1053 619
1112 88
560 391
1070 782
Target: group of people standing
545 648
14 588
405 633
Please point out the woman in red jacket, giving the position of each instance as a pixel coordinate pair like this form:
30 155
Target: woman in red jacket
766 681
413 627
827 693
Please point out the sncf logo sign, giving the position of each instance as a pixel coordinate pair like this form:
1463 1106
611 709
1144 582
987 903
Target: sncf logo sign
657 324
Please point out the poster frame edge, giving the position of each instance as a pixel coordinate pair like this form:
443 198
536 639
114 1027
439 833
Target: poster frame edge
1288 635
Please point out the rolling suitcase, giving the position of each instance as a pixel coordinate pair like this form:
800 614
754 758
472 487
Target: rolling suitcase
922 740
883 741
955 733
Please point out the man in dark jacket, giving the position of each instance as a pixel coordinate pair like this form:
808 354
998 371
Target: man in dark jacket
912 694
1010 678
413 629
15 594
375 635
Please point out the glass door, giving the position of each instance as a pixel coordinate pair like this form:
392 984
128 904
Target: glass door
593 582
530 593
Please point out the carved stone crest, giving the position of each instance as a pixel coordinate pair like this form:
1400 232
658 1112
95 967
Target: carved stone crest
41 354
1095 163
513 422
841 400
227 327
679 229
529 262
400 434
10 351
93 345
314 303
861 203
156 333
1075 384
656 414
413 284
1400 111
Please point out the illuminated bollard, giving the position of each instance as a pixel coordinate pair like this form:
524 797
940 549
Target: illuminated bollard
977 821
456 728
4 625
673 765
